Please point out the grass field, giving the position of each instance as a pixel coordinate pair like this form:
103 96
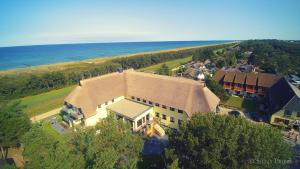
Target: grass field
41 103
171 64
241 104
46 126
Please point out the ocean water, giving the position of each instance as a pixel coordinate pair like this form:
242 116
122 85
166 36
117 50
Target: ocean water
26 56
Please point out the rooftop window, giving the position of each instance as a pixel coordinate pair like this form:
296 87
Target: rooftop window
156 104
163 106
132 97
180 111
150 102
138 99
172 109
144 101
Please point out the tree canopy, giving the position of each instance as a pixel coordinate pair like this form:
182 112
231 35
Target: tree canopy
110 144
220 142
217 89
41 150
13 124
164 70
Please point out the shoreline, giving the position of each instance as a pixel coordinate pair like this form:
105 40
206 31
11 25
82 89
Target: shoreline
65 65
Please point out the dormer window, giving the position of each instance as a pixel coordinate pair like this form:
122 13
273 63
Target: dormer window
99 106
113 100
138 99
180 111
106 103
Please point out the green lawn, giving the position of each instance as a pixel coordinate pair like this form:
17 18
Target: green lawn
45 102
242 104
171 64
47 127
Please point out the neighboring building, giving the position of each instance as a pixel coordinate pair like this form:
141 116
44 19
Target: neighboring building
228 81
140 98
251 83
284 104
239 83
264 82
247 84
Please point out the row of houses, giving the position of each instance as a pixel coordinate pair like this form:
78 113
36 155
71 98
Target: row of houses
247 84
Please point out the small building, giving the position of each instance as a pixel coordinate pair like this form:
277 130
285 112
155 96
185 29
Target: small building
284 104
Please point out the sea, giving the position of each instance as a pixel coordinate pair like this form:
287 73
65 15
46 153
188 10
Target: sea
27 56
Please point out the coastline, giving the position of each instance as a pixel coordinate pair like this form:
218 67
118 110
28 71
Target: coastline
64 65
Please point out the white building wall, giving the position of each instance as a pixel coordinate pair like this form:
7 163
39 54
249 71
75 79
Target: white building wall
100 112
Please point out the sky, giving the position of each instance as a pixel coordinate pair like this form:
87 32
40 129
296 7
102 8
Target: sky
32 22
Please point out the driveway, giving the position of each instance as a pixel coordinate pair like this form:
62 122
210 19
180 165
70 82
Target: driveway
45 115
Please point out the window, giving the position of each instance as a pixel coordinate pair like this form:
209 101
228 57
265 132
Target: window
99 106
150 102
287 113
106 103
144 101
156 104
132 97
164 117
113 100
163 106
180 111
139 123
147 117
172 119
172 109
138 99
157 114
179 122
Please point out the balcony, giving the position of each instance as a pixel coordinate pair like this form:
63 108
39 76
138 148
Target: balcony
226 86
238 88
250 90
71 112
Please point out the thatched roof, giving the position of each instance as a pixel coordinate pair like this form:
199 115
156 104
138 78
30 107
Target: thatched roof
184 94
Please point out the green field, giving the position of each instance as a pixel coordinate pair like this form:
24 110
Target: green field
241 104
171 64
41 103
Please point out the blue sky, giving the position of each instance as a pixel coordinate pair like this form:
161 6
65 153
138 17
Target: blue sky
28 22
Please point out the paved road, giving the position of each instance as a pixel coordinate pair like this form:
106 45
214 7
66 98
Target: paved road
45 115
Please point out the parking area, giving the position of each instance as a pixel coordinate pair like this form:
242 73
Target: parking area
60 127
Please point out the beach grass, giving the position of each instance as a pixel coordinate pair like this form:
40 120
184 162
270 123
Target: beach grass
173 64
44 102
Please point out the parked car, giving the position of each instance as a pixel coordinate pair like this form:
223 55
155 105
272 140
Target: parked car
234 113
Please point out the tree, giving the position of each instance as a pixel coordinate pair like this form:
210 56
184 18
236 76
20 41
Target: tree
13 124
164 70
41 150
216 142
110 144
217 89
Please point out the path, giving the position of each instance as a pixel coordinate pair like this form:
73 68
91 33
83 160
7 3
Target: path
45 115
